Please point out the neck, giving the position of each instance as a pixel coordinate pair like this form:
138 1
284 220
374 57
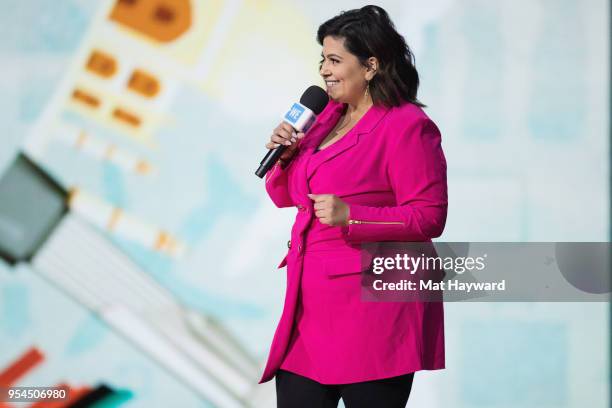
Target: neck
360 107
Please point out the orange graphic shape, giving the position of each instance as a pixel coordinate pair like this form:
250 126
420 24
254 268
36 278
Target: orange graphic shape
143 83
85 98
101 64
161 20
20 367
126 117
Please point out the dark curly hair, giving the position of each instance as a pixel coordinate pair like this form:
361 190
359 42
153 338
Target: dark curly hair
369 32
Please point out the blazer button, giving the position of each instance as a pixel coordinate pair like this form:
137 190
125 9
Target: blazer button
289 244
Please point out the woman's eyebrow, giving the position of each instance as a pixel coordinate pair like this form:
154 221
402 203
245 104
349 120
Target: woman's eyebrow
331 55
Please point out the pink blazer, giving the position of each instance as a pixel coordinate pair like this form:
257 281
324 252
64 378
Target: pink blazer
391 170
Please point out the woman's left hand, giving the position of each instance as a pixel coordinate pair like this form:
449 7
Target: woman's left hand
330 209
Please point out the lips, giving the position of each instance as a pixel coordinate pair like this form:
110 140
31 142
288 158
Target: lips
330 84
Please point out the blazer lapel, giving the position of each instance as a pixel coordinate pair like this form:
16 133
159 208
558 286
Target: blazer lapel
315 136
348 141
322 127
363 126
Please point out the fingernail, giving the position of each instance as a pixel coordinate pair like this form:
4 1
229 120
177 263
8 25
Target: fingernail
293 140
288 142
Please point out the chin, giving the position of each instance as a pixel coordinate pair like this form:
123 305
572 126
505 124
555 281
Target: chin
335 98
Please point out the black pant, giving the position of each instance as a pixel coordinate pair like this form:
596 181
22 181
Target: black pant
296 391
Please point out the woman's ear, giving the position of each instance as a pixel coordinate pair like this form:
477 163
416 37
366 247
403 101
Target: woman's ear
372 67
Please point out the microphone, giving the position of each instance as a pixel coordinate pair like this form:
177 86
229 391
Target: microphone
300 116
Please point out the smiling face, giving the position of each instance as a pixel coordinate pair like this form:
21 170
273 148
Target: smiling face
345 77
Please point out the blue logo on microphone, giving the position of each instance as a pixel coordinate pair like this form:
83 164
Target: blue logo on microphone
294 113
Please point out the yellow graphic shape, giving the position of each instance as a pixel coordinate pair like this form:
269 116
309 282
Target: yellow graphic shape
274 59
161 20
119 112
143 83
101 64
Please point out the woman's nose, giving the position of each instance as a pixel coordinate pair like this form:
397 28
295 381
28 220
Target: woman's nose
324 70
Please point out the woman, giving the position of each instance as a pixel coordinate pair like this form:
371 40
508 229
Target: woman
370 169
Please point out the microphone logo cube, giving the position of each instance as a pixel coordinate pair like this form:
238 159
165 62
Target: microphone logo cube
293 115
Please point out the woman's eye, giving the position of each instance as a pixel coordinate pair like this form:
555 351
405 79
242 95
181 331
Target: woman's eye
333 61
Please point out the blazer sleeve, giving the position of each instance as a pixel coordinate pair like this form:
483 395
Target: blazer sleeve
276 186
416 169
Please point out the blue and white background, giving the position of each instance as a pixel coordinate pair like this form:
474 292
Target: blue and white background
518 88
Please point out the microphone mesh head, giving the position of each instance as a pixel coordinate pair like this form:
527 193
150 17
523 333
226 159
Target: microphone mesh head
315 99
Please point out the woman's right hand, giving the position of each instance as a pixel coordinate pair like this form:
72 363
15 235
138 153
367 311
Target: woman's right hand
284 134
